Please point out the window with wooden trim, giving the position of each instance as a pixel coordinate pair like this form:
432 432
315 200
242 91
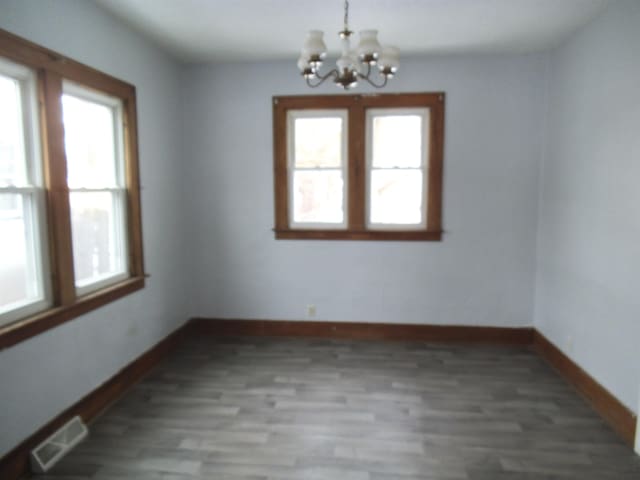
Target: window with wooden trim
71 237
358 167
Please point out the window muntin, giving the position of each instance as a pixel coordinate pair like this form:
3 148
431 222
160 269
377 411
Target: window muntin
396 150
97 195
317 166
24 278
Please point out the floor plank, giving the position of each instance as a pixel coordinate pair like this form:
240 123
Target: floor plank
274 408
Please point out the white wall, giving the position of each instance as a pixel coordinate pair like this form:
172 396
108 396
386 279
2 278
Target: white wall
587 300
483 272
46 374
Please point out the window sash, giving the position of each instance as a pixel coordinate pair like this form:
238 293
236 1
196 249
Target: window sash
119 242
370 115
372 225
117 111
118 230
33 207
27 81
32 196
292 116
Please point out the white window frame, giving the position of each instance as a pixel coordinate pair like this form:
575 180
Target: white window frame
119 191
292 116
425 114
35 213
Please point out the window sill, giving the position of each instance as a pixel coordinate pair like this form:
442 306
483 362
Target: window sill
399 235
21 330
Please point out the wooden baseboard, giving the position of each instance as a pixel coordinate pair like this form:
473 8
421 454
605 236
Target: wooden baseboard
365 331
619 417
15 464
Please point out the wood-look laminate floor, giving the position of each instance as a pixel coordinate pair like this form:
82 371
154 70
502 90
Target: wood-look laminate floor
269 408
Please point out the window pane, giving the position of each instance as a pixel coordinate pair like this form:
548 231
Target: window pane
396 197
89 140
12 152
98 235
318 196
19 277
318 142
397 141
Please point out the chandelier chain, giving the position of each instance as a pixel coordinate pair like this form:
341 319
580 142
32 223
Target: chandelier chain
346 15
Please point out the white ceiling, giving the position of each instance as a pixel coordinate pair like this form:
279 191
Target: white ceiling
230 30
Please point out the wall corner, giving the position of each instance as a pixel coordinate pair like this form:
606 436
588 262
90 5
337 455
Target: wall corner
637 442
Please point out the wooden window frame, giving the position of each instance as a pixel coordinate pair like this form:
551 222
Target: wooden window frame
51 69
356 105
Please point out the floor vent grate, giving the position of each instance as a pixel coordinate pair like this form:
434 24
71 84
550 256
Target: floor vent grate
47 454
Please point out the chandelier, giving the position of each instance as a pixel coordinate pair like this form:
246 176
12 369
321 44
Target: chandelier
353 65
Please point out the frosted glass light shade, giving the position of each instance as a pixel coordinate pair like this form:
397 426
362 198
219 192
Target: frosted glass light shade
303 63
389 59
369 48
355 63
314 45
347 61
305 67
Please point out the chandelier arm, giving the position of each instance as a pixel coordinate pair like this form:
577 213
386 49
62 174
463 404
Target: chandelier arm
367 78
322 78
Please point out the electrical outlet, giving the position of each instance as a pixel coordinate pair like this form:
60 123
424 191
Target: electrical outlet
311 310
